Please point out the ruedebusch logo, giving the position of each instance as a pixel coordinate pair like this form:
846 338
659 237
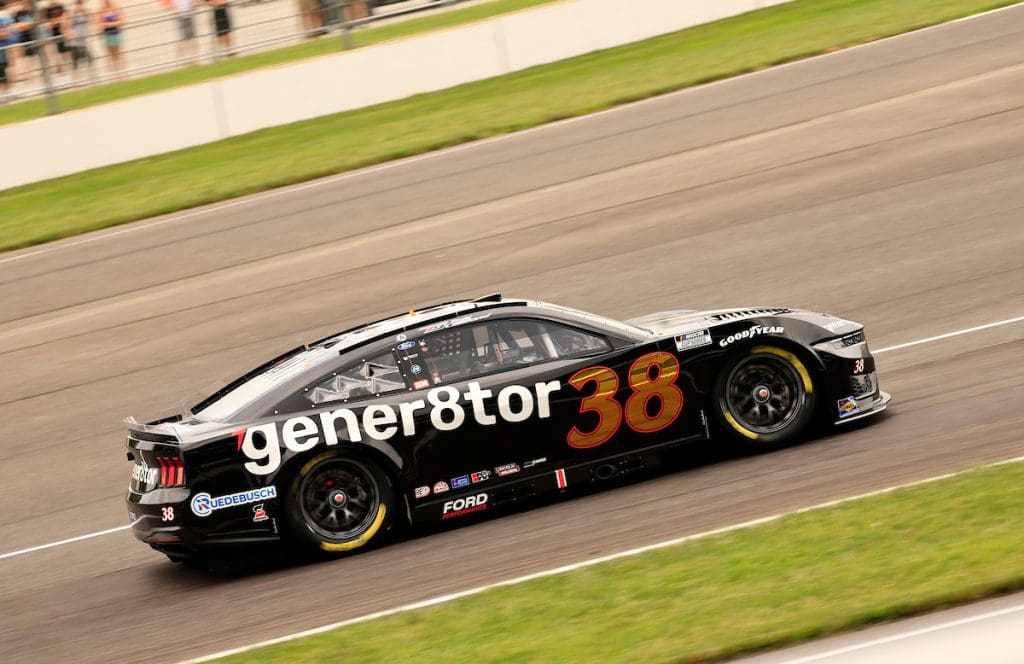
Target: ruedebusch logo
755 331
204 505
516 403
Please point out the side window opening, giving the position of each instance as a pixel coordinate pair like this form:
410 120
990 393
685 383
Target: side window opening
372 376
497 345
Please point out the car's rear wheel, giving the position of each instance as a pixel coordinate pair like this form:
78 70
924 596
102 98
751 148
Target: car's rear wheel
765 397
338 503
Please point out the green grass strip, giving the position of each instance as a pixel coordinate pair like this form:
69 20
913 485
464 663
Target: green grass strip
305 150
806 575
101 94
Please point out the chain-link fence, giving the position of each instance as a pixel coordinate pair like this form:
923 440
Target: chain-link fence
47 46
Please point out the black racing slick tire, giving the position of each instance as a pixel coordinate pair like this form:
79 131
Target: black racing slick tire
765 397
337 504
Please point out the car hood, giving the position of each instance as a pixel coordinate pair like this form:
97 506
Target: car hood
817 325
679 320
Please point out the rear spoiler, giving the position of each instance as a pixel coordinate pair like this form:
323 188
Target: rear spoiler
154 432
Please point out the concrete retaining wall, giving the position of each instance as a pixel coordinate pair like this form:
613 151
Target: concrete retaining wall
184 117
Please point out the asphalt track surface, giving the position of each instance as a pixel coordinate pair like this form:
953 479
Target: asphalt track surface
885 184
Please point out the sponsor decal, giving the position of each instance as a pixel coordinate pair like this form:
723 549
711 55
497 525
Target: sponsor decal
560 478
204 505
533 462
507 469
416 369
464 506
839 324
460 481
143 474
259 514
480 476
401 337
422 491
452 322
421 384
448 409
440 487
406 345
694 339
847 407
754 331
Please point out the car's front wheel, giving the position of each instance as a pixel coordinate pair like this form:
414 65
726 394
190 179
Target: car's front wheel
766 397
338 503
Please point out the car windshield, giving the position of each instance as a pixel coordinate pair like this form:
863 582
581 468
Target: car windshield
630 331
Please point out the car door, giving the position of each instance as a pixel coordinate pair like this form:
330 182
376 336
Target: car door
492 398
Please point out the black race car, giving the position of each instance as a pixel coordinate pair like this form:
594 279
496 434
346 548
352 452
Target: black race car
464 406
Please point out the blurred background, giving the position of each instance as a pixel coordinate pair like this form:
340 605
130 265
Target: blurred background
57 45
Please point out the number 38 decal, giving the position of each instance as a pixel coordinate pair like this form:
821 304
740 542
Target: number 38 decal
651 377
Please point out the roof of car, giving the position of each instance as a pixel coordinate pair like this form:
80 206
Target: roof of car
415 318
288 366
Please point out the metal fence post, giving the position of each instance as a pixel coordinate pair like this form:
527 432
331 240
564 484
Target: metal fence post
347 42
52 106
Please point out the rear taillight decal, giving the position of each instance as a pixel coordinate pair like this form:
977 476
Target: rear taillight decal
172 471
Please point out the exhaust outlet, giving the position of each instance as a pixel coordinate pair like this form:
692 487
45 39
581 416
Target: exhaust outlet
606 472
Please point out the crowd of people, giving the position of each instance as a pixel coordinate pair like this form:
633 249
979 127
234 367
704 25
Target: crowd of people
60 32
72 34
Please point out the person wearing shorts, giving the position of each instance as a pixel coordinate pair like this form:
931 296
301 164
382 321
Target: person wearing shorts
186 28
109 20
5 41
76 31
54 13
222 24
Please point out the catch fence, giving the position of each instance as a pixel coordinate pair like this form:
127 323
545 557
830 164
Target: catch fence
62 45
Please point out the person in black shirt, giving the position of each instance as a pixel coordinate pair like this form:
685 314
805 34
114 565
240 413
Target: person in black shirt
54 15
24 21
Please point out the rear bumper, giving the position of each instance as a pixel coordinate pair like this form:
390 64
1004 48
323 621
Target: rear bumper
164 520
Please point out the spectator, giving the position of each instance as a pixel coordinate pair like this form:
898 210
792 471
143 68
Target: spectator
109 22
76 31
24 24
312 17
222 24
5 21
54 14
186 29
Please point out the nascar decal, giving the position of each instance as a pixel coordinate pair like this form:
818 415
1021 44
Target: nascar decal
447 406
754 331
205 505
694 339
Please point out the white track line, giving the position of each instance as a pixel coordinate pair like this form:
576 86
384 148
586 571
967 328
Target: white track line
575 566
255 198
904 635
11 554
947 335
969 330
